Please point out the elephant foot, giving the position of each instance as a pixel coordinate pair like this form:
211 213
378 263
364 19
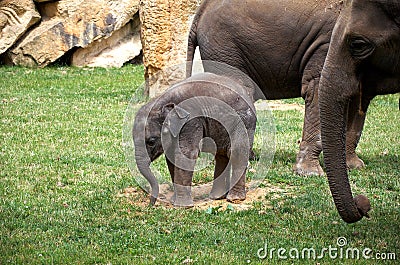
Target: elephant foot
308 168
183 202
219 188
307 162
236 196
182 197
354 162
218 193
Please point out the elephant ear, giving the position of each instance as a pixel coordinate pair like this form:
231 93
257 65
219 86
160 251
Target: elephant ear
177 117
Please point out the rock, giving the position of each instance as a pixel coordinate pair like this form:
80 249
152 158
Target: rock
165 29
16 17
68 24
123 46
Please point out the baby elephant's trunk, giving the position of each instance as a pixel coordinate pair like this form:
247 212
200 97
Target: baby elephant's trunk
142 157
144 168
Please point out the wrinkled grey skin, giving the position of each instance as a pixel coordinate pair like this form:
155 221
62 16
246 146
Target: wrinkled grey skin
190 118
282 46
363 61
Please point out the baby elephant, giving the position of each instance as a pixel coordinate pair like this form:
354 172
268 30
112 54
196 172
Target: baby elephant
204 113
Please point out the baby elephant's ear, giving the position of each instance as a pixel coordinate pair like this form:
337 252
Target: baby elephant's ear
177 118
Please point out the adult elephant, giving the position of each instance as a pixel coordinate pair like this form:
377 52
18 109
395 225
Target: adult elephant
282 46
363 61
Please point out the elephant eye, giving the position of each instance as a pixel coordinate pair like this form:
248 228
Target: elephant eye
151 141
360 47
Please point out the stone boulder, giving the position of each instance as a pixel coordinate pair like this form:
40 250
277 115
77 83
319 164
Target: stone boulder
165 29
68 24
123 46
16 17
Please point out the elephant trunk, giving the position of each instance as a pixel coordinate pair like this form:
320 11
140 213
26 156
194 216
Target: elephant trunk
142 157
144 168
336 87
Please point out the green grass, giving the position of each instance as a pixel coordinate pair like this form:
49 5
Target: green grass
62 168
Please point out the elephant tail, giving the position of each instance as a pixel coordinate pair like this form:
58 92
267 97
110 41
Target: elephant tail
192 44
192 41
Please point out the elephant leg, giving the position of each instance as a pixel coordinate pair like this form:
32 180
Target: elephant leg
184 162
171 169
307 161
221 178
237 191
355 124
183 188
182 180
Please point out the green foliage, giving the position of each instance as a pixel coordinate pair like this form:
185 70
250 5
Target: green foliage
62 173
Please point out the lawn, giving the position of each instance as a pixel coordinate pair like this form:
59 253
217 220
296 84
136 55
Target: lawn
63 182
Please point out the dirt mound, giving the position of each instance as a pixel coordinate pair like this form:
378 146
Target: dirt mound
138 197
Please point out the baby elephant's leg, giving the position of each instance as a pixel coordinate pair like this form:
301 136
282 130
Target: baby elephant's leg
182 192
184 158
221 178
183 188
239 161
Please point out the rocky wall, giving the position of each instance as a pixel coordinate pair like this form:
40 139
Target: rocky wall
38 33
165 29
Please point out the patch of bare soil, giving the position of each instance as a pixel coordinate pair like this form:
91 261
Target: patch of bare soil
278 105
138 197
